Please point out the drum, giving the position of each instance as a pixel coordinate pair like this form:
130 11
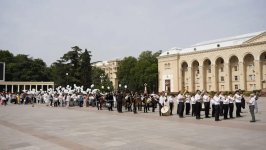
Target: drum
148 100
165 111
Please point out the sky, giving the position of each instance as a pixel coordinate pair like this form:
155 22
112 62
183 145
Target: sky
113 29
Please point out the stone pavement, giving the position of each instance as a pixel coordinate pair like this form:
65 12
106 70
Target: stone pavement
23 127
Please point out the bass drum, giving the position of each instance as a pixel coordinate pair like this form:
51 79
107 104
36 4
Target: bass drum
165 111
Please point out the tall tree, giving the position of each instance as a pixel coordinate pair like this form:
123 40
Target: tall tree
85 68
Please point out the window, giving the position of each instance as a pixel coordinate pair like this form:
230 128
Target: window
209 70
209 79
222 69
236 78
197 71
222 78
197 80
236 87
222 87
236 68
251 77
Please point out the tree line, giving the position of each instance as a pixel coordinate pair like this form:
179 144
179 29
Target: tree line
74 67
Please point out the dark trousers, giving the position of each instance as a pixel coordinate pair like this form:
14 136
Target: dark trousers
160 107
111 106
171 108
207 109
177 110
231 109
238 109
119 106
140 106
99 105
213 110
181 109
187 108
217 112
225 106
134 107
193 109
197 111
153 106
221 109
145 108
251 109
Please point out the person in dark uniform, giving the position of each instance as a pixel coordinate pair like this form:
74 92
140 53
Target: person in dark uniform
134 101
98 101
110 99
222 97
154 103
119 99
145 98
206 100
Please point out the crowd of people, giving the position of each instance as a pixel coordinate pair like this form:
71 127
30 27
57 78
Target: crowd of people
216 106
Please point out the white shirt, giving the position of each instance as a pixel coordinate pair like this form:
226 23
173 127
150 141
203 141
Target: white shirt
231 99
238 98
252 100
188 98
180 98
171 99
206 98
222 98
226 100
193 101
216 100
162 99
198 97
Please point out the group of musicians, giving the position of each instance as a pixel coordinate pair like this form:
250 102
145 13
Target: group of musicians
219 104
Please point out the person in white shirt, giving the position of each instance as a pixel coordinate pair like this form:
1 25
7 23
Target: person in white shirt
187 101
216 100
238 98
213 106
231 105
206 100
198 99
161 102
180 99
226 106
251 104
222 98
68 98
171 103
193 105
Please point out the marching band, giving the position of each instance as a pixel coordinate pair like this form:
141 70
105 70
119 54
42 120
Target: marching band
219 104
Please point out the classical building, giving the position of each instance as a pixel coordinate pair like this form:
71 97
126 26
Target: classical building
110 68
225 64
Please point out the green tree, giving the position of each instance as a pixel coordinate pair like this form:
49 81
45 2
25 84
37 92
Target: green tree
85 68
99 79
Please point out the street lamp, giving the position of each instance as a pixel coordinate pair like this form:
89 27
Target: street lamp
145 87
67 78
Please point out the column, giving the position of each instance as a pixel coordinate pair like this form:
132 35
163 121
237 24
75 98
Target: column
258 74
18 89
12 89
227 77
6 88
42 86
30 88
214 78
180 88
242 75
36 87
201 78
190 78
24 87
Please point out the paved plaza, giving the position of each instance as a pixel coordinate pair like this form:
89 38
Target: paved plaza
23 127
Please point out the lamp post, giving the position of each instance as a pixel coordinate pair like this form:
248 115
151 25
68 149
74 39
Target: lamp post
145 87
67 78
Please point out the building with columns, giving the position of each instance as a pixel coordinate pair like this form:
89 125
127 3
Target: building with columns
110 68
226 64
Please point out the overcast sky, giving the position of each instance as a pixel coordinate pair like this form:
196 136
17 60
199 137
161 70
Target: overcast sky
113 29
